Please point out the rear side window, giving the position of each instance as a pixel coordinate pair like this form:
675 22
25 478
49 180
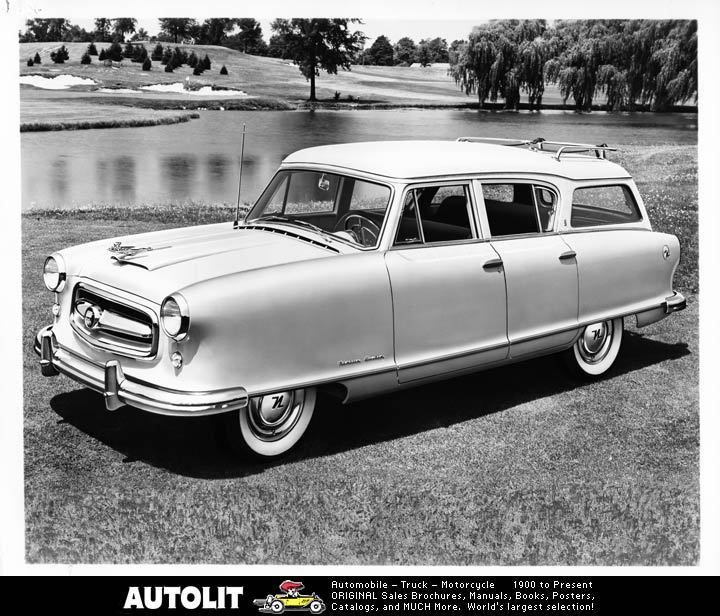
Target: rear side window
510 209
603 205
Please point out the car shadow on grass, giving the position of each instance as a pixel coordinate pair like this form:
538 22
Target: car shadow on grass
193 446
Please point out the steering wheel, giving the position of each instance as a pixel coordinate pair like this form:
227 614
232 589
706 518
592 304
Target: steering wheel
360 227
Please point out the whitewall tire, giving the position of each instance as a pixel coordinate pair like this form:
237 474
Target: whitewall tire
597 348
271 425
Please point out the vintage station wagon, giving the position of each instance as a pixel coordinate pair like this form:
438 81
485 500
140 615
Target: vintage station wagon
364 268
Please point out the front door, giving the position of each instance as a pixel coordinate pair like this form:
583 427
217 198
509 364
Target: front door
448 288
540 268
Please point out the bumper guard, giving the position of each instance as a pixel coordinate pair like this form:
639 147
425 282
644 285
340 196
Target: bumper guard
119 389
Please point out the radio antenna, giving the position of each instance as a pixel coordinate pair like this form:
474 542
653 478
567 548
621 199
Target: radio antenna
236 224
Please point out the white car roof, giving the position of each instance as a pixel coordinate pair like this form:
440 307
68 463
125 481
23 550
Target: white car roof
424 159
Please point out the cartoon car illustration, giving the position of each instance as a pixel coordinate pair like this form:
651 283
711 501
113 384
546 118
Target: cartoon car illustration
290 599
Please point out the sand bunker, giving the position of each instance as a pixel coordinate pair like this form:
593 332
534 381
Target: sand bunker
61 82
179 88
117 91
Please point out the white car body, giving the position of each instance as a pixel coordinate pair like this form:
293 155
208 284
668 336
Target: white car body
276 307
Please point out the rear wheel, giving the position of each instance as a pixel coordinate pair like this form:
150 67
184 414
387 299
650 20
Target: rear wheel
271 425
596 349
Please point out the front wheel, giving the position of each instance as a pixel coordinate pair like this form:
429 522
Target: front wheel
271 425
596 349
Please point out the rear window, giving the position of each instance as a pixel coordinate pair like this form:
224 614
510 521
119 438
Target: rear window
603 205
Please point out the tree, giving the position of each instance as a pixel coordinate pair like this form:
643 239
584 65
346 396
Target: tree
423 55
37 59
435 50
147 64
30 62
60 55
319 44
501 59
85 59
103 54
46 30
169 67
167 56
123 25
141 35
250 36
380 52
277 48
223 70
102 29
157 53
176 27
92 50
76 34
192 60
404 51
114 52
214 31
129 50
205 63
140 54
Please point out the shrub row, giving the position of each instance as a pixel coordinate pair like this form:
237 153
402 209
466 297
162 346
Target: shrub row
171 58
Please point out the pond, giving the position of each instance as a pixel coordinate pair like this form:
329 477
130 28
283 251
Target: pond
198 161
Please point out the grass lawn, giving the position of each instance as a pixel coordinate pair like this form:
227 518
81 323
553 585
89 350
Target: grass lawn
517 465
57 115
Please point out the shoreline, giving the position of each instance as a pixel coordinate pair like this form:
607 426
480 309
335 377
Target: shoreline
29 127
278 104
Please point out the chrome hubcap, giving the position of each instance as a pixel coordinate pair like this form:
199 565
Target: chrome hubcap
273 416
595 341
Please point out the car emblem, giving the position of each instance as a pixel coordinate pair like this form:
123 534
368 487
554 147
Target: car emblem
125 252
91 318
666 252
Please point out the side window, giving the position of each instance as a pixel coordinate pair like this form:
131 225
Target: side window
510 209
368 196
408 230
442 213
546 201
603 205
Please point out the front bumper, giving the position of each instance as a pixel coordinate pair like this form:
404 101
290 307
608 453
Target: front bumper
119 389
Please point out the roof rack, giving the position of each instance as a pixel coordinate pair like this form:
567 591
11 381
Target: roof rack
540 144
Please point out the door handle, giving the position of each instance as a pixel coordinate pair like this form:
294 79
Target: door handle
492 264
570 254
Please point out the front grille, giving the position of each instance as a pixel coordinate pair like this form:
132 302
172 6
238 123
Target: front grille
112 323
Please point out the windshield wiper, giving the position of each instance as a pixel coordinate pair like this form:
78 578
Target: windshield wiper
292 221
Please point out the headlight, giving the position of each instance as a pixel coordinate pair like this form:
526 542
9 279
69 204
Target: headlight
54 273
174 316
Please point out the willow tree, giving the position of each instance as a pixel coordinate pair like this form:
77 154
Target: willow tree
502 59
319 44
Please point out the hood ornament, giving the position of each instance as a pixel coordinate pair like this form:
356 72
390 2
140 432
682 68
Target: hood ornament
120 252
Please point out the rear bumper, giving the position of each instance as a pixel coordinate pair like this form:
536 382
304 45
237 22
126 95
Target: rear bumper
674 303
118 389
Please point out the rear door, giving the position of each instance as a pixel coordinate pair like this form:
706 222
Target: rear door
448 289
540 268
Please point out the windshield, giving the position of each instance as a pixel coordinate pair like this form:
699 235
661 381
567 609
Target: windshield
347 208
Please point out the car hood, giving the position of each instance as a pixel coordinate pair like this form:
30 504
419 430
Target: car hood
153 265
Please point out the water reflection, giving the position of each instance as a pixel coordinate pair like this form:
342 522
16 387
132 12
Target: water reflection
60 177
200 160
125 180
178 172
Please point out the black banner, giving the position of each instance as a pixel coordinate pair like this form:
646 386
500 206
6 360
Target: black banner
369 595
